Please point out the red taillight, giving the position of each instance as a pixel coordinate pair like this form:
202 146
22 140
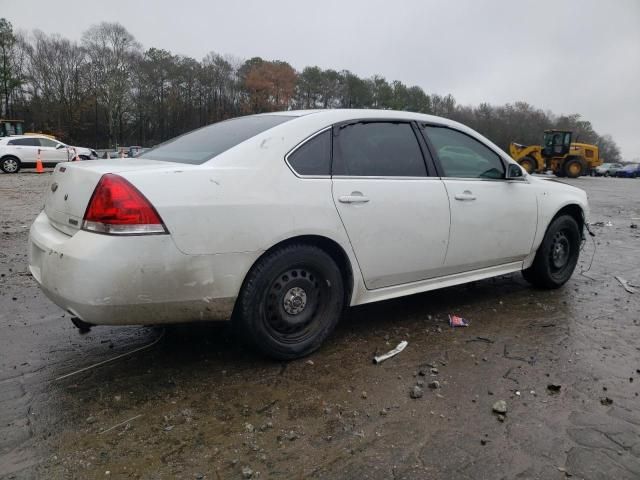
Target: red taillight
118 208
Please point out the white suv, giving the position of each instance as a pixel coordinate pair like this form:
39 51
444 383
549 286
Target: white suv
21 151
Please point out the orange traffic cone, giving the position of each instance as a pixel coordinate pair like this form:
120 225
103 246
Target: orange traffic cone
39 167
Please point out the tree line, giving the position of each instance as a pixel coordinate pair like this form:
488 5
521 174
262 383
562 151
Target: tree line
106 90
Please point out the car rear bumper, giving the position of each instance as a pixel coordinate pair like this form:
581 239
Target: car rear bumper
133 280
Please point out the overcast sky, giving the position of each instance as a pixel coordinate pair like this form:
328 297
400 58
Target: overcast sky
568 56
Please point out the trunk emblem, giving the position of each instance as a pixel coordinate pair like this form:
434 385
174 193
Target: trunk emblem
54 186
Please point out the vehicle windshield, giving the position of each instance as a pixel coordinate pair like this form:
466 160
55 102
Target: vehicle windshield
200 145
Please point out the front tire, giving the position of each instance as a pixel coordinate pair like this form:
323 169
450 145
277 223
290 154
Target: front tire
291 301
557 255
10 165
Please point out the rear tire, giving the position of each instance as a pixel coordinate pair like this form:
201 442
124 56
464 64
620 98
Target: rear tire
557 255
573 168
291 301
10 165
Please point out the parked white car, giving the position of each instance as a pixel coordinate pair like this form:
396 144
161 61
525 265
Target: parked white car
21 151
283 219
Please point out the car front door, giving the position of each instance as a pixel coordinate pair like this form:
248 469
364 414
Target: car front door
396 216
493 219
52 151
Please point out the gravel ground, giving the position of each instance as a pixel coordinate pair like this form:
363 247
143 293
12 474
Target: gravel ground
196 404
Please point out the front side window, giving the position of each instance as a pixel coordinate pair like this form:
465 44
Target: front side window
314 156
205 143
462 156
377 149
24 142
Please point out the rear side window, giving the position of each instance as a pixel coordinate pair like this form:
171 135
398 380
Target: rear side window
24 142
205 143
378 149
47 142
314 156
462 156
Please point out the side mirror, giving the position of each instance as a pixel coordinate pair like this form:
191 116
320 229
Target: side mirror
514 171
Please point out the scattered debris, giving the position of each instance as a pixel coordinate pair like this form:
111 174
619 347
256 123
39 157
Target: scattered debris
554 387
456 321
500 407
606 401
625 284
416 392
633 225
434 385
392 353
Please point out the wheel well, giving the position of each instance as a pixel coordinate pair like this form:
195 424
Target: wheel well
10 156
574 211
331 247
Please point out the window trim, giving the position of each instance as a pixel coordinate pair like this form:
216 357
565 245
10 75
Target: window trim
304 142
436 158
427 159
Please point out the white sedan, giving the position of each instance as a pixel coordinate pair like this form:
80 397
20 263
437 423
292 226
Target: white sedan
278 221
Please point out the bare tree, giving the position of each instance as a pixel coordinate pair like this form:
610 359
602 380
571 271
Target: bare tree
112 49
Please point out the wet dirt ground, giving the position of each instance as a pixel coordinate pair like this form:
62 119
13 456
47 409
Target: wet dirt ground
196 404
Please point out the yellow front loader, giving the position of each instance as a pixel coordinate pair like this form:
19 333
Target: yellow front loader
558 154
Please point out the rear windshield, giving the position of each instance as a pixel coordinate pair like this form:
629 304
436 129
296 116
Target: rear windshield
205 143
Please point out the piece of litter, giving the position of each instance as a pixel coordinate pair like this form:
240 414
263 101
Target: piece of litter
391 353
456 321
500 407
625 284
120 424
117 357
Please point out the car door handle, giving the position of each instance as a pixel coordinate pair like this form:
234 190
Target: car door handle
355 197
465 196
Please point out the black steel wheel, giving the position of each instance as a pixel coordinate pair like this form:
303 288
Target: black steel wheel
291 301
557 255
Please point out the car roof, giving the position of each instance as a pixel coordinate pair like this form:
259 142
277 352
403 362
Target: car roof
345 114
12 137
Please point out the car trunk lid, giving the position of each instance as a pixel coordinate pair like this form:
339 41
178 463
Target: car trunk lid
73 183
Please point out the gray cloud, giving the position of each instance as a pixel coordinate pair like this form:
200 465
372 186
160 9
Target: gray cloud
571 56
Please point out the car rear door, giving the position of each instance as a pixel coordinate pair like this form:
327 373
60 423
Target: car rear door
395 214
26 149
493 219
